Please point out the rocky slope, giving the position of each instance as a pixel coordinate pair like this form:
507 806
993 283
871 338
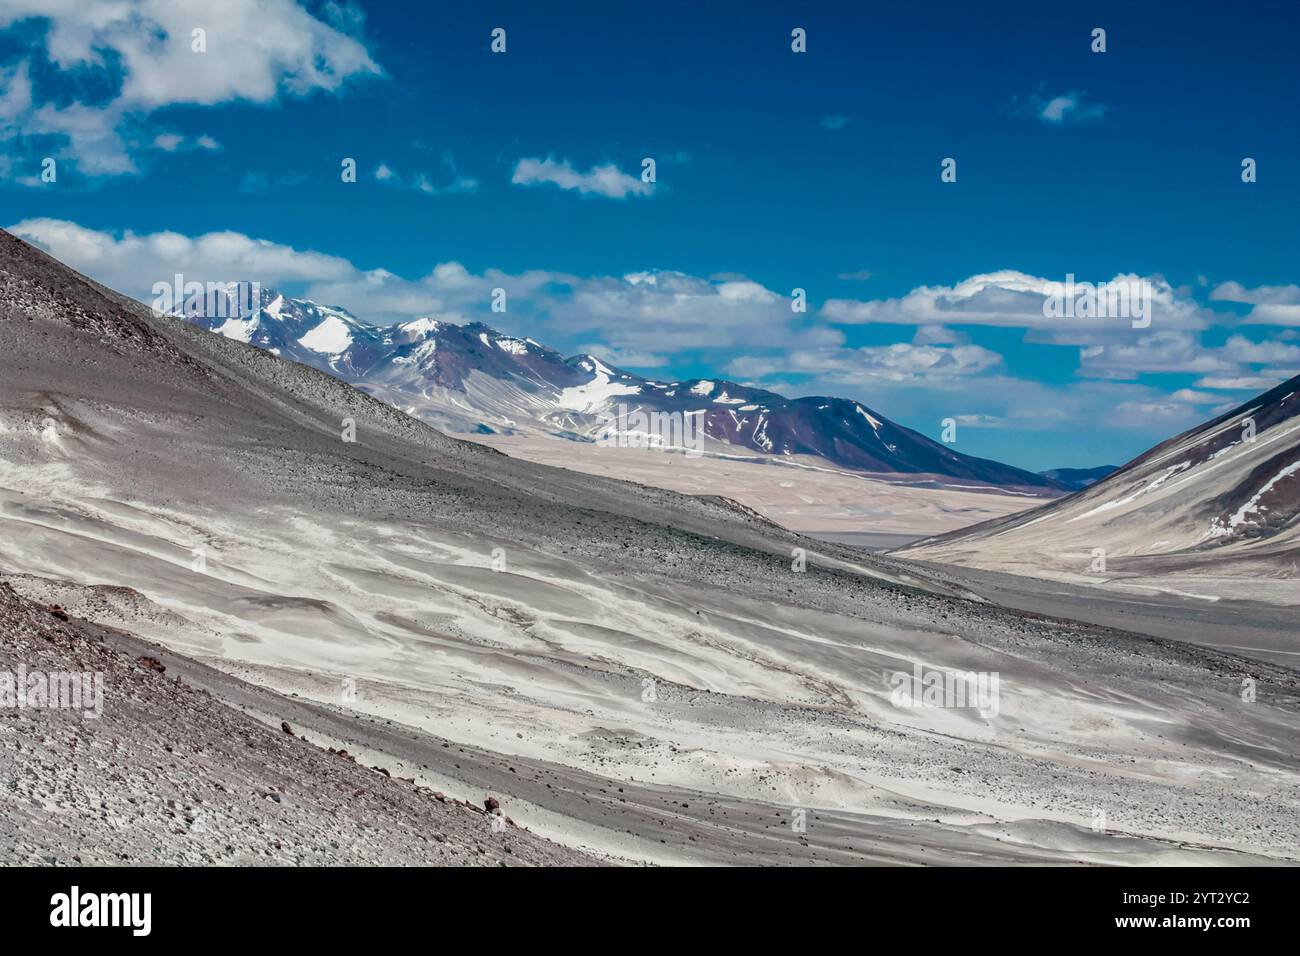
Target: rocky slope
1220 501
167 774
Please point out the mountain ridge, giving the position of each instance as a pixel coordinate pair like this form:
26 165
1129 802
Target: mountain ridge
1220 500
474 378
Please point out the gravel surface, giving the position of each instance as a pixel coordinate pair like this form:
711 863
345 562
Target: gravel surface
167 774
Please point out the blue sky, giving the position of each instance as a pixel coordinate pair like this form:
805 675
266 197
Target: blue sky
775 170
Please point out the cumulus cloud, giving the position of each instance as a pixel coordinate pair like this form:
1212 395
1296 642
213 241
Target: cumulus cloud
145 49
132 263
607 180
643 314
1271 304
655 311
1158 352
1241 349
898 362
1014 299
1261 295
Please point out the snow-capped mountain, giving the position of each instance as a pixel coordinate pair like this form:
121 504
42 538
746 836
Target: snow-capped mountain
1224 493
473 378
322 336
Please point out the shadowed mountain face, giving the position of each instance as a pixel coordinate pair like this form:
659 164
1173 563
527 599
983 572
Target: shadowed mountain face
1079 478
472 378
1223 498
649 675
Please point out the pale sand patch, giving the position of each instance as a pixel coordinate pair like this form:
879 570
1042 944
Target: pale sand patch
798 493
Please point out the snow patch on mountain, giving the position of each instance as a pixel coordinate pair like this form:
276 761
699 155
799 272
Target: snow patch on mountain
512 346
420 328
591 396
1253 506
329 338
875 423
418 354
238 329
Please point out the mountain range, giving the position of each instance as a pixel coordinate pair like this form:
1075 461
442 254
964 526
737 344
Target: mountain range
473 378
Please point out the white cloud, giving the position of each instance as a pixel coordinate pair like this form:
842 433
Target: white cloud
607 180
1193 397
1065 108
421 182
938 335
131 263
1014 299
256 49
980 421
648 313
1242 383
1170 351
623 358
172 142
1261 295
856 366
17 97
1242 349
661 311
835 122
1273 315
1158 352
91 135
1271 304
